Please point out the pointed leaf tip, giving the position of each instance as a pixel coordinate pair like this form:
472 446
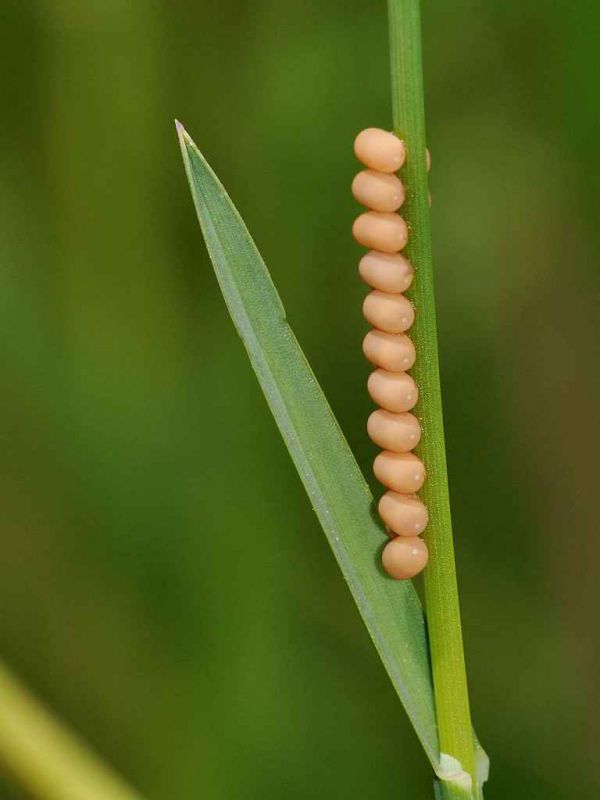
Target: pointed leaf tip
181 133
185 140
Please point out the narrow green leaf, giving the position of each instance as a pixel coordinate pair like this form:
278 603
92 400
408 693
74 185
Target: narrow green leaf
390 609
47 759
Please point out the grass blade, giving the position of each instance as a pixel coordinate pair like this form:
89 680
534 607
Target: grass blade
390 609
47 759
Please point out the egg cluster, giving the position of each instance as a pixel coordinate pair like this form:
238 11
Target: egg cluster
388 347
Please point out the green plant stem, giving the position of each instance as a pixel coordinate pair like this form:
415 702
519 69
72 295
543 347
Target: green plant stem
46 759
441 593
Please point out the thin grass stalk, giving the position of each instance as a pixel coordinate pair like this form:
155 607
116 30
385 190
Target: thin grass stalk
441 592
45 758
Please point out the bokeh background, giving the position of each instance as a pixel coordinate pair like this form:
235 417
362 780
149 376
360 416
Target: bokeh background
164 584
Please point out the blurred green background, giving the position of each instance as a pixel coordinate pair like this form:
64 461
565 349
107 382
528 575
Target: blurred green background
164 584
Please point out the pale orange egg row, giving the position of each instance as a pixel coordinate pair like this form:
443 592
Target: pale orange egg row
390 350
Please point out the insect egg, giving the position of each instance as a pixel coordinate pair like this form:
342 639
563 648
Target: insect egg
393 391
389 272
378 191
404 558
396 432
391 351
404 514
380 150
401 472
380 231
392 313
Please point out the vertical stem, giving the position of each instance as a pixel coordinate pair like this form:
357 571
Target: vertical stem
441 593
